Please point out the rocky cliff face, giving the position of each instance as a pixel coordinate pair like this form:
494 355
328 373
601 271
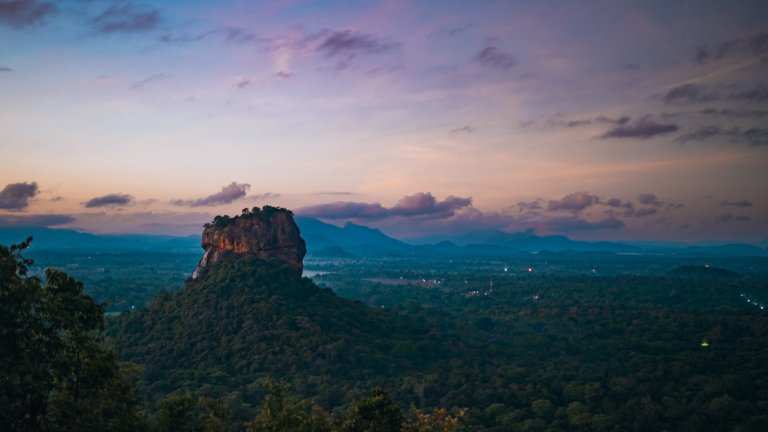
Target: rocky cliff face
267 233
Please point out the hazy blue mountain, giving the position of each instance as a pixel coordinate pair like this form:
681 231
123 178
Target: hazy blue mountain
332 252
738 249
51 239
66 239
363 241
530 242
357 239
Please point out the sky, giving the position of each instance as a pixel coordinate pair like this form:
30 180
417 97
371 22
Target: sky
599 120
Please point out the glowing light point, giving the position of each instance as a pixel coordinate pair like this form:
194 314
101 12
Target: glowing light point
704 343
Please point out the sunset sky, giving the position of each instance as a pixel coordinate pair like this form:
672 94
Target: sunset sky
643 120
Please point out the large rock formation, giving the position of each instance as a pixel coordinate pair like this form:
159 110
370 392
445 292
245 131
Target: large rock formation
268 233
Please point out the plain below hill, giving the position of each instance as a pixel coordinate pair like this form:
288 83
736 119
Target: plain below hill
248 321
247 316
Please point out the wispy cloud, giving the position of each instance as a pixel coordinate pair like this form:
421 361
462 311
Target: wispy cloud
417 205
229 193
650 199
110 200
755 45
494 58
148 80
24 13
574 202
126 18
690 93
740 203
463 129
643 129
569 224
232 35
346 43
750 136
728 218
36 220
645 212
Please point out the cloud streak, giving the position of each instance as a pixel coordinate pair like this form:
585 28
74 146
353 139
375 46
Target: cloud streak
740 203
110 200
126 18
751 136
494 58
346 43
228 194
25 13
43 220
755 45
574 202
422 205
644 129
147 81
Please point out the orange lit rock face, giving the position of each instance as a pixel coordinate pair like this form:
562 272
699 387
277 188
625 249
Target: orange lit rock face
267 237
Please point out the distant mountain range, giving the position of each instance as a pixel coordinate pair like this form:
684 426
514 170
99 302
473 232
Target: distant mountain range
66 239
352 240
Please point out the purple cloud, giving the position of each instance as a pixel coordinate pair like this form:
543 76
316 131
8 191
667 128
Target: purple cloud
649 199
534 205
24 13
758 94
741 203
346 43
700 134
35 220
109 201
690 93
465 129
733 113
566 224
148 80
233 35
16 196
492 57
756 44
644 129
645 212
574 202
621 121
422 205
228 194
126 18
728 218
617 203
752 136
5 69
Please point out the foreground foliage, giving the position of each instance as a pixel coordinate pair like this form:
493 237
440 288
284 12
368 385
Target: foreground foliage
55 374
685 351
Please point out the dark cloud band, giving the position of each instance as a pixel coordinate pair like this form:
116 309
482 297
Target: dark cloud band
16 196
110 200
228 194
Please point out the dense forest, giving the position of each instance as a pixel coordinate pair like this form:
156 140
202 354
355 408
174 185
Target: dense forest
252 347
